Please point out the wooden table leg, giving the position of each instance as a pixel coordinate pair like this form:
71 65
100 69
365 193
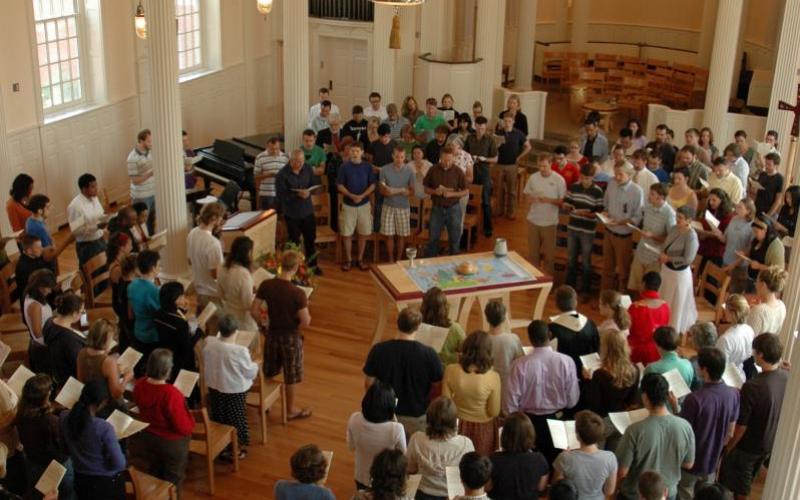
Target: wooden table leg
463 313
380 325
538 307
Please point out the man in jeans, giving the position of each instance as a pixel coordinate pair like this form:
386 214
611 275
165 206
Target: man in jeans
545 189
140 172
514 148
294 185
484 152
445 184
584 199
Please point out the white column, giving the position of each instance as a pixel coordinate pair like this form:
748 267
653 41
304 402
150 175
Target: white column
562 12
383 58
432 28
295 71
792 299
737 68
489 47
784 81
706 35
526 39
166 128
580 25
783 479
723 61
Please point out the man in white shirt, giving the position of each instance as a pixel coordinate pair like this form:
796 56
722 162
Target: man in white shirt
321 121
738 165
267 165
724 179
545 189
375 108
205 255
140 172
607 167
314 111
86 213
642 176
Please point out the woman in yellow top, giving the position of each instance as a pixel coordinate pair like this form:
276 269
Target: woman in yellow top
436 312
475 388
680 193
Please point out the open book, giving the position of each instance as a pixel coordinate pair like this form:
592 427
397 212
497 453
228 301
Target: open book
308 189
77 223
563 434
634 227
51 478
703 182
624 419
591 362
625 301
157 241
395 190
260 275
17 380
206 314
328 461
711 219
64 281
185 382
432 336
243 337
602 218
677 385
454 486
732 376
207 199
70 393
128 360
5 350
125 426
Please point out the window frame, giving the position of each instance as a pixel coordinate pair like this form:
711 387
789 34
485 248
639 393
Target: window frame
200 28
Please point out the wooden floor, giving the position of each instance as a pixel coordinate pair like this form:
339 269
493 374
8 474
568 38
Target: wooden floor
343 315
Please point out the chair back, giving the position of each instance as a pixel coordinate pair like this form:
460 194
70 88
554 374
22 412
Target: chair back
9 295
92 281
201 382
230 196
715 281
415 217
147 487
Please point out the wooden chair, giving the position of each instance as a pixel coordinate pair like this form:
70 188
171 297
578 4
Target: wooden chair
92 280
262 395
605 62
716 286
473 219
325 233
9 298
209 439
593 80
424 233
201 381
147 487
552 66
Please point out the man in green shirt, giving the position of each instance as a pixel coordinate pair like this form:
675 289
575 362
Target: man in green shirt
660 442
315 155
426 124
666 339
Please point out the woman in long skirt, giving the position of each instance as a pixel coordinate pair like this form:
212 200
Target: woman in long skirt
677 289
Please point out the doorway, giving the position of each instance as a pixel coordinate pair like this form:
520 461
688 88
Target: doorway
344 69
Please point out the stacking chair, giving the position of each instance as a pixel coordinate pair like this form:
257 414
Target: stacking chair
209 439
147 487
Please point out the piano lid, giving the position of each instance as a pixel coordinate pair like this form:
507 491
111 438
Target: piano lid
228 151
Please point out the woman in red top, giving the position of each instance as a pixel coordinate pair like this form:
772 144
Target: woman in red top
17 205
163 447
647 314
712 240
570 171
575 155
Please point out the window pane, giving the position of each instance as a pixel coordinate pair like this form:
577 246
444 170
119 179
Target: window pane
51 30
196 20
61 28
63 49
65 76
44 76
181 60
41 35
196 57
52 51
181 43
68 92
46 101
42 54
71 26
77 90
56 95
75 68
197 38
73 48
54 74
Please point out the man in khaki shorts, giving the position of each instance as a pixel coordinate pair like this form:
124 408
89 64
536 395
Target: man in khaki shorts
356 182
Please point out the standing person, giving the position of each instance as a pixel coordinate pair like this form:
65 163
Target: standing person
747 151
583 200
712 239
448 112
787 216
577 335
615 313
433 149
397 185
313 154
144 302
410 109
396 122
519 470
268 164
320 122
446 184
93 446
677 288
308 469
205 255
737 237
163 447
680 193
174 332
140 173
514 109
738 165
570 171
475 388
484 153
375 107
379 153
735 343
662 145
661 441
293 186
668 340
623 203
17 205
725 180
388 476
63 342
95 362
475 472
514 148
647 314
356 127
411 368
768 197
235 283
36 311
642 175
356 182
425 125
654 166
506 346
769 314
657 217
316 108
541 384
593 143
420 166
435 310
754 434
766 250
712 411
545 190
189 178
89 239
287 311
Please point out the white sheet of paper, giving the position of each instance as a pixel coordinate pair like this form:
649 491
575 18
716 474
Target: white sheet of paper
260 275
787 241
703 182
157 241
70 393
77 223
206 200
591 362
205 315
527 349
563 434
328 461
635 228
412 485
17 380
125 426
602 218
697 225
51 478
11 248
64 281
185 381
432 336
454 486
128 360
711 219
677 385
625 301
307 290
763 148
624 419
650 247
732 377
554 344
243 337
5 350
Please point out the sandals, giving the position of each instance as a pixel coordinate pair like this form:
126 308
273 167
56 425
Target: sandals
362 266
346 266
303 413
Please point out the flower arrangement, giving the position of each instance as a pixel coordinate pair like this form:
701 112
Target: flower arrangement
272 262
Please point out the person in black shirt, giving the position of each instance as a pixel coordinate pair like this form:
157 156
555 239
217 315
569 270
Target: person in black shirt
768 199
787 217
379 152
63 342
576 334
174 332
293 186
31 259
665 149
357 126
123 222
514 148
514 108
434 148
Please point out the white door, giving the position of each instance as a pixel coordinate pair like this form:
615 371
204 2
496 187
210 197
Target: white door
345 70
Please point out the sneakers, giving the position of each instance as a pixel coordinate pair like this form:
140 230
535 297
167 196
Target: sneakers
227 455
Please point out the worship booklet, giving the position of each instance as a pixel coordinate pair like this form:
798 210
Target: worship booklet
17 381
157 241
712 221
677 385
602 218
70 393
432 336
697 225
11 247
625 301
591 362
703 182
454 486
206 314
185 382
527 349
650 247
732 376
51 478
328 461
125 426
128 360
308 189
307 290
563 434
787 241
207 199
624 419
64 281
77 223
763 148
634 227
243 337
412 485
755 184
260 275
5 350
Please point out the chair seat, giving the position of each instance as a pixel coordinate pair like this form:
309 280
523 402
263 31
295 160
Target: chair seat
18 342
471 220
106 313
706 311
217 438
12 323
326 235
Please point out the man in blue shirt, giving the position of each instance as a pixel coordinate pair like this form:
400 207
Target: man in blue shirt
294 184
144 302
356 182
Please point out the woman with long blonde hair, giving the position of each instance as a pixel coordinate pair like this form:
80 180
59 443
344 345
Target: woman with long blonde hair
612 387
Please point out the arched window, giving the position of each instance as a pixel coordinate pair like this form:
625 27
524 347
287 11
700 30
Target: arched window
58 50
190 35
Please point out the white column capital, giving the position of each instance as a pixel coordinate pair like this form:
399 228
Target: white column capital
526 41
580 25
784 79
295 71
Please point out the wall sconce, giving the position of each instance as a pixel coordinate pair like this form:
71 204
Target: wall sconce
139 22
264 6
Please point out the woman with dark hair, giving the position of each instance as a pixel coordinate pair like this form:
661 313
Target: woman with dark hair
174 332
706 143
639 139
39 434
64 342
308 469
35 312
95 363
235 283
121 271
93 446
410 109
163 447
475 388
17 206
787 217
440 446
518 472
388 473
374 429
680 193
766 250
677 255
712 239
436 312
463 127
